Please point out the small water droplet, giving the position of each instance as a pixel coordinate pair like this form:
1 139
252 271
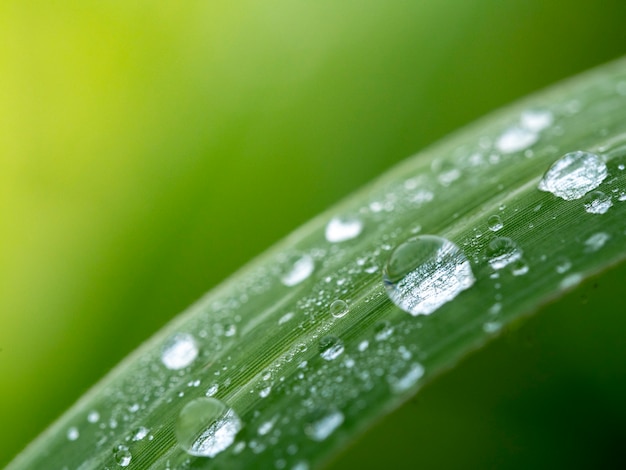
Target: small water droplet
426 272
93 416
596 241
399 384
519 267
574 175
72 433
212 390
495 223
206 427
297 272
536 120
338 308
515 139
140 433
285 318
330 347
383 330
179 351
563 265
492 327
342 229
596 202
122 456
502 251
363 345
265 391
571 280
323 424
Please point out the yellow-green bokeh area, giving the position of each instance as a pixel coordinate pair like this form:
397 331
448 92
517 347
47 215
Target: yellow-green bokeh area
148 149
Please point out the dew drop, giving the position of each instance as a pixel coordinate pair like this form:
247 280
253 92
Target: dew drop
425 272
301 269
330 347
342 229
519 267
574 175
536 120
502 251
399 384
596 202
383 330
206 427
495 223
323 424
93 416
179 351
515 139
596 241
72 433
140 433
338 308
563 266
122 456
212 390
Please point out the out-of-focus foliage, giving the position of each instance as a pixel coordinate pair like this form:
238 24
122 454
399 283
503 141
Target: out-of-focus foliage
149 149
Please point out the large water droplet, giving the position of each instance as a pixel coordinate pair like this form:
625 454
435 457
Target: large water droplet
330 347
122 456
179 351
301 268
342 229
596 202
323 424
425 272
502 251
495 223
338 308
206 427
574 175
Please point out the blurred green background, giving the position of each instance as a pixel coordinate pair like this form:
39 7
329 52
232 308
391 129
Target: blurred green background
149 149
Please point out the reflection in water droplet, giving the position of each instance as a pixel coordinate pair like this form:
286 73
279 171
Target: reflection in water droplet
502 251
574 175
330 347
338 308
323 424
206 427
425 272
122 456
179 351
342 229
93 416
495 223
399 384
298 271
72 433
140 433
596 202
212 390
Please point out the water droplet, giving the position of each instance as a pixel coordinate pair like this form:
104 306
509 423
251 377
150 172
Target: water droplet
140 433
502 251
330 347
265 391
212 390
574 175
300 270
72 433
563 266
93 416
492 327
383 330
425 272
342 229
323 424
495 223
536 120
515 139
179 351
206 427
399 384
338 308
596 202
285 318
596 241
519 267
122 456
571 280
